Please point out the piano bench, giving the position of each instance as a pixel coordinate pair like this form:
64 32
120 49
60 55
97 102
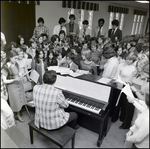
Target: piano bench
59 136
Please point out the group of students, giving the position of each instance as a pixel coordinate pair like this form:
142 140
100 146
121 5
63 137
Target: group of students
127 58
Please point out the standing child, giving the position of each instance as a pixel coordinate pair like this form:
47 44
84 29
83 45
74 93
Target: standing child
85 30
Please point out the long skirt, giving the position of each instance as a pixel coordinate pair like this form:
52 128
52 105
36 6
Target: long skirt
16 95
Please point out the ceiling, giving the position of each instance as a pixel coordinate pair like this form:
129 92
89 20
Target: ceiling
132 4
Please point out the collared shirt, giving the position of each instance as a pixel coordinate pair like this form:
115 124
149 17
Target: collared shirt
87 32
114 30
100 29
49 107
40 30
57 29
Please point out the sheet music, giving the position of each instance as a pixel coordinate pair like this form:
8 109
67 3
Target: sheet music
104 80
61 70
25 74
34 75
28 63
53 68
127 91
74 74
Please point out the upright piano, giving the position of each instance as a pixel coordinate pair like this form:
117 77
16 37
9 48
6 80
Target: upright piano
90 100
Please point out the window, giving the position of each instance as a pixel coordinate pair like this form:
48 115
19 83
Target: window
122 21
119 17
70 11
90 20
80 18
110 19
137 24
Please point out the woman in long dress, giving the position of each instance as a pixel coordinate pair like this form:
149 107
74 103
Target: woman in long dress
15 87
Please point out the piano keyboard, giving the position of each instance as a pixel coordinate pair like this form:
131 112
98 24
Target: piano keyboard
84 105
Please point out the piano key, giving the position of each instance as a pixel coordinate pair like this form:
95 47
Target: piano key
86 105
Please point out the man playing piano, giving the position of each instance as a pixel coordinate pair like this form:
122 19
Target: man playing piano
50 103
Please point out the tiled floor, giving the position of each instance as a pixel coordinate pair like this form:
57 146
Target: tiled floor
18 137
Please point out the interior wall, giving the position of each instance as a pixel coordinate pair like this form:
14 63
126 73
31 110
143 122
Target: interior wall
17 19
51 11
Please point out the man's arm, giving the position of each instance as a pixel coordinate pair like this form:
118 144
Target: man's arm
120 35
109 32
62 100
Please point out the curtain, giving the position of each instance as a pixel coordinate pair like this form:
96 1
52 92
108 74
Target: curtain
140 12
80 5
17 19
118 9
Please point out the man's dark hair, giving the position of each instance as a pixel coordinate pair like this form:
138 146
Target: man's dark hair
72 16
61 20
85 22
62 32
115 22
49 77
40 20
101 20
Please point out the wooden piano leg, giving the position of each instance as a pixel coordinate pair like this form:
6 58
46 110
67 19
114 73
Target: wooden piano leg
101 135
102 132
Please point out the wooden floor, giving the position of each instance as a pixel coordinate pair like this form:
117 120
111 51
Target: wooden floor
18 137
